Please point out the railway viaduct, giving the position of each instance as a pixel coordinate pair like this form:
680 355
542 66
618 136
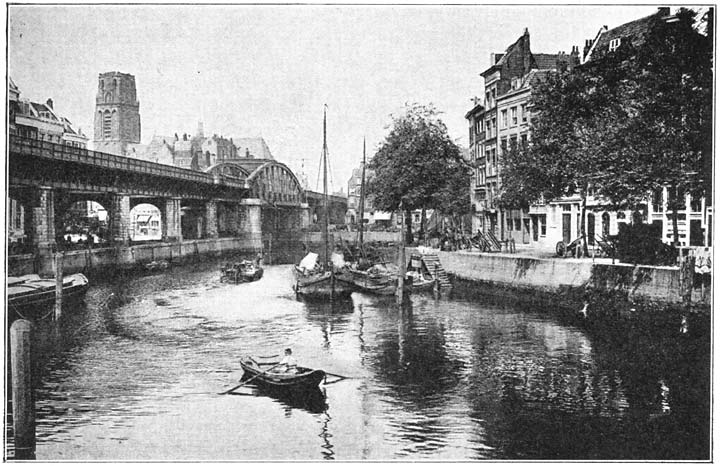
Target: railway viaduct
255 205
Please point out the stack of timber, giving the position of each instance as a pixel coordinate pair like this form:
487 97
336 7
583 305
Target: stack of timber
433 265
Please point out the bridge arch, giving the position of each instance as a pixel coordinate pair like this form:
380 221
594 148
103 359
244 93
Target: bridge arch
275 184
229 169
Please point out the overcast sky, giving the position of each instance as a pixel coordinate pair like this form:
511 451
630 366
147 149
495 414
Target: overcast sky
267 70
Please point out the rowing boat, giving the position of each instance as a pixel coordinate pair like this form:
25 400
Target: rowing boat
301 380
240 272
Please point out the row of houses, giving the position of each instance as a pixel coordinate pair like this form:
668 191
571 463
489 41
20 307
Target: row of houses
502 119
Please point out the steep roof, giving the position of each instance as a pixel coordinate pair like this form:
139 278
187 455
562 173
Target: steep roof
546 61
257 148
13 90
635 31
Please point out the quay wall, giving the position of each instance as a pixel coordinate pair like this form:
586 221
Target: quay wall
352 236
575 279
133 255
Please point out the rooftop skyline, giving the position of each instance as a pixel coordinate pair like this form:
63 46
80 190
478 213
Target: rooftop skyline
262 70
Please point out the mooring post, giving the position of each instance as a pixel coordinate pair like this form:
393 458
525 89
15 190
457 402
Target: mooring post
687 274
58 284
23 403
401 268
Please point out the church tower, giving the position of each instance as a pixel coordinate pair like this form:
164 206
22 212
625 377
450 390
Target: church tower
117 113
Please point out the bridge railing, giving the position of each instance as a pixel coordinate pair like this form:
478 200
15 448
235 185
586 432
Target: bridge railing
101 159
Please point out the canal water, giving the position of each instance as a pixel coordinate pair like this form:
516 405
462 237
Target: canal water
135 375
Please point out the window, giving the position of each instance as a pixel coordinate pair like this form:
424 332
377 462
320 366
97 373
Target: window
488 129
493 156
695 203
513 115
517 224
523 141
479 176
503 119
657 197
107 125
509 224
543 224
503 146
614 44
566 207
513 143
523 113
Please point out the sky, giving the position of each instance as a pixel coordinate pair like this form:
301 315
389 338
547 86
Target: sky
264 70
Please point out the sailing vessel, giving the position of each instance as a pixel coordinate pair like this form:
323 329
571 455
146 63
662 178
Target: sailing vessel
368 274
319 279
375 276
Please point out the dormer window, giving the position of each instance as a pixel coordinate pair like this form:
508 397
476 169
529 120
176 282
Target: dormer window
614 44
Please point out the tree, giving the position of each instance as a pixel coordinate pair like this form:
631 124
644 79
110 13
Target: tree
671 134
575 115
418 166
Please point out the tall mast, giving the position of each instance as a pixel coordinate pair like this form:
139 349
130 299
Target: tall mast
325 193
362 201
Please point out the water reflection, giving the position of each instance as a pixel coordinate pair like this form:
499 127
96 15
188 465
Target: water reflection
311 401
326 449
449 379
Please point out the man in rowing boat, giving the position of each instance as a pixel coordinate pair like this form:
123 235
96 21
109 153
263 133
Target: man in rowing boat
287 364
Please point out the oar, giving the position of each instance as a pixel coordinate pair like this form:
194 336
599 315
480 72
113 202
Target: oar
248 380
340 378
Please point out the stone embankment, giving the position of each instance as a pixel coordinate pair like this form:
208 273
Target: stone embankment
100 259
575 280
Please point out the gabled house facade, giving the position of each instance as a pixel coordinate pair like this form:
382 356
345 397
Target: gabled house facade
695 218
499 123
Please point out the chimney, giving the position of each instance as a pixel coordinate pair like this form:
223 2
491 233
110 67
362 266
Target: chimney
200 129
49 103
247 153
588 45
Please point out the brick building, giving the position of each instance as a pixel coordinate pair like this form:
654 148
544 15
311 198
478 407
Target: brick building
36 121
503 120
500 122
695 218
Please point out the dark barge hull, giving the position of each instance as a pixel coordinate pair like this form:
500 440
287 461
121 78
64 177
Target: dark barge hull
35 295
